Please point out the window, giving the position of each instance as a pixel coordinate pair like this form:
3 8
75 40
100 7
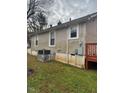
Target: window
73 33
36 43
52 39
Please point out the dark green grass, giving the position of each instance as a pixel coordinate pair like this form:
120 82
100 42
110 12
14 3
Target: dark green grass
55 77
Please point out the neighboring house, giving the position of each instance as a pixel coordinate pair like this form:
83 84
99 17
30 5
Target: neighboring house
68 40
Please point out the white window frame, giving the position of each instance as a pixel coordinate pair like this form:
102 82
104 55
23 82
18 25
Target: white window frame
36 38
50 39
77 29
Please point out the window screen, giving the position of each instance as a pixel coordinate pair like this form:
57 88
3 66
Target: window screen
52 38
73 33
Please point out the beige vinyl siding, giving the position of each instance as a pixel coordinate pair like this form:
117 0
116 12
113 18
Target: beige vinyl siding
91 32
63 44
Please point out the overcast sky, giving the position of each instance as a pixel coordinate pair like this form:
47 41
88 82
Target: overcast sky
64 9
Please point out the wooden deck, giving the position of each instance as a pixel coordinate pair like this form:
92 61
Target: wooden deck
91 54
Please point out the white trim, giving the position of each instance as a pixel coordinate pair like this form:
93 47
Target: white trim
84 38
54 40
77 29
36 38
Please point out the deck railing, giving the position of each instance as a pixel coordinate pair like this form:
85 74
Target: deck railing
91 53
91 49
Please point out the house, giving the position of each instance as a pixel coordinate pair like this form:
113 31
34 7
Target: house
68 40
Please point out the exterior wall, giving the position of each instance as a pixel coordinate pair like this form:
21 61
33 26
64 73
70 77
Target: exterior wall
64 46
61 40
43 42
91 33
75 43
29 51
77 61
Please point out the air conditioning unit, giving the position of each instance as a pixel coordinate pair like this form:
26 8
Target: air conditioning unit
44 55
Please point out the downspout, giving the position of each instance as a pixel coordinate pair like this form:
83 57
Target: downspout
84 45
67 47
68 51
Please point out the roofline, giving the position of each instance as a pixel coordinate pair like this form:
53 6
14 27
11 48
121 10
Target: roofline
66 24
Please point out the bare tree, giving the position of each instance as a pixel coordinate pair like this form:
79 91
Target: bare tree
36 13
41 18
32 5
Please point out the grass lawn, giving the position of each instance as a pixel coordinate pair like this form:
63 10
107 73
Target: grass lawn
56 77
